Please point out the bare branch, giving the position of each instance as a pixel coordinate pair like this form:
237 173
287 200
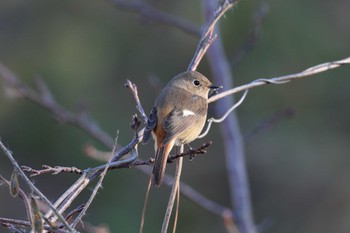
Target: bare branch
192 152
213 120
173 194
207 38
139 107
127 163
32 186
148 12
15 222
92 196
65 200
283 79
45 100
21 194
53 170
9 221
75 211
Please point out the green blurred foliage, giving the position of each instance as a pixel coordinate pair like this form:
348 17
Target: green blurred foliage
85 50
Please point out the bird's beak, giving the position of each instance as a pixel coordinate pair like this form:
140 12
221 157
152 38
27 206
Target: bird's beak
214 90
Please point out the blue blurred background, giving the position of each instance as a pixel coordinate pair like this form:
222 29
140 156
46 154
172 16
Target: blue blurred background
299 168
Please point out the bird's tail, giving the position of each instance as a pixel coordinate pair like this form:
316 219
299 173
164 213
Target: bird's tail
160 163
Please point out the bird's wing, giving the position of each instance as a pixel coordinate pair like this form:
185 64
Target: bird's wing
151 123
179 121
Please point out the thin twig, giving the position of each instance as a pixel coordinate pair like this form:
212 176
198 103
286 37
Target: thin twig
146 11
207 38
15 222
143 215
94 193
221 119
177 208
24 223
53 170
21 194
174 190
127 163
32 186
284 78
65 200
75 211
139 107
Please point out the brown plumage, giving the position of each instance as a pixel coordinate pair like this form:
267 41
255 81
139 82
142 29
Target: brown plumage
178 116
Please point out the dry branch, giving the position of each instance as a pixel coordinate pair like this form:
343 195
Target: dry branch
207 37
150 13
33 187
283 79
128 163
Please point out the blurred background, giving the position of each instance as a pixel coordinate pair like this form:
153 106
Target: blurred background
299 166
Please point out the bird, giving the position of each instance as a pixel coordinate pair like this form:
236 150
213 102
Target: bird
177 117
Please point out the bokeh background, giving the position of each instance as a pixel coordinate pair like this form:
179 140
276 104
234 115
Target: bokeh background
299 168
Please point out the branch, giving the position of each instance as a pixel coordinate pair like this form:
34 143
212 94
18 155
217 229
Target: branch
127 163
148 12
33 188
139 107
43 97
221 119
9 221
173 194
207 38
48 169
94 193
21 194
283 79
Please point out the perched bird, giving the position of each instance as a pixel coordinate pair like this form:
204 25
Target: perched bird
178 116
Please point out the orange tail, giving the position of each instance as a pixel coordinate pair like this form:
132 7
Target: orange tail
160 163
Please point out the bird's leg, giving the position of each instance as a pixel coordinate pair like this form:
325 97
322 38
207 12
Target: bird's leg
193 152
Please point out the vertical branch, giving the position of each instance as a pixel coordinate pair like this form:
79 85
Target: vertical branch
174 191
207 37
233 144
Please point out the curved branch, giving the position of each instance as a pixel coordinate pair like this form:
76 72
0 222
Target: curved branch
284 78
221 119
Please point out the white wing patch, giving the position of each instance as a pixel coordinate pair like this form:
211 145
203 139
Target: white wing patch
187 112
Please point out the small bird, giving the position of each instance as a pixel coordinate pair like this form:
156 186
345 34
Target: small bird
178 116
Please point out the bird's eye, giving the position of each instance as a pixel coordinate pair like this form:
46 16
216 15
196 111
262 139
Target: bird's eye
196 82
